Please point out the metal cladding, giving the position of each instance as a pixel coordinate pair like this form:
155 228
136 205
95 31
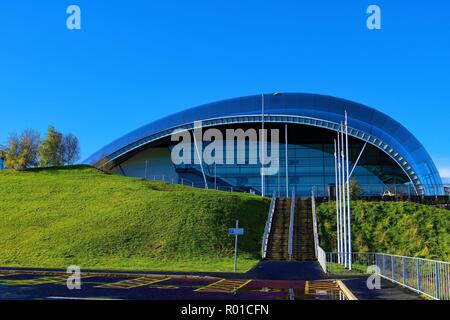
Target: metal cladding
364 123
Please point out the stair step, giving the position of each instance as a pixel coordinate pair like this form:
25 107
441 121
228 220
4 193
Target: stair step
303 246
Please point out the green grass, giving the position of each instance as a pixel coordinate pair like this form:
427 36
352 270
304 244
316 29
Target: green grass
402 228
79 215
339 270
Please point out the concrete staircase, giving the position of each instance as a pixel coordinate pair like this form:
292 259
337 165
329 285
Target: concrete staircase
303 233
303 246
277 248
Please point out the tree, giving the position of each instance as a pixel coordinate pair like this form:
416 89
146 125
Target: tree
71 149
51 151
2 152
355 189
21 151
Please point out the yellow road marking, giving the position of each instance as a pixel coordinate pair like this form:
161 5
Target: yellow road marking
224 285
62 279
311 287
132 283
346 291
8 274
37 281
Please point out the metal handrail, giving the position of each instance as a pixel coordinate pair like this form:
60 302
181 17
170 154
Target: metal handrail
268 226
291 225
322 258
314 217
423 276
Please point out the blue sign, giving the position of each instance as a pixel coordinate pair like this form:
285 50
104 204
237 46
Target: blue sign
236 231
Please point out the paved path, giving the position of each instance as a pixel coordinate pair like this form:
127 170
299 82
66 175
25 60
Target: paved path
267 280
30 286
388 291
274 270
287 270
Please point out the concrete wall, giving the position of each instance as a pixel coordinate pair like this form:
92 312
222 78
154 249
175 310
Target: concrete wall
159 165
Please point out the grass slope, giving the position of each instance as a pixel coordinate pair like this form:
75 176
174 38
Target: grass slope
403 228
79 215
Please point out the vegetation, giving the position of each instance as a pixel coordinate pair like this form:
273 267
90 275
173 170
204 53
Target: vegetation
80 215
355 189
27 150
402 228
21 151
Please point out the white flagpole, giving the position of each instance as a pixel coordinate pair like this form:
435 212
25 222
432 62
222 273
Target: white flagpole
340 197
262 145
349 216
338 216
344 210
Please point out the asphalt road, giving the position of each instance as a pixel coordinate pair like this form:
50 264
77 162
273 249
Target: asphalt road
274 280
31 286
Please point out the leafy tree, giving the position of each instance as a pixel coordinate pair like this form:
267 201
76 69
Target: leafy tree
21 151
355 189
2 152
71 149
51 151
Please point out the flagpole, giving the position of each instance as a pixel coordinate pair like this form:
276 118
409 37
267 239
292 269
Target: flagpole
349 216
344 210
340 197
338 224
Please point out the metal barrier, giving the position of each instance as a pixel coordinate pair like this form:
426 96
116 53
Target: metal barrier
291 226
314 218
424 276
268 227
387 192
319 252
322 258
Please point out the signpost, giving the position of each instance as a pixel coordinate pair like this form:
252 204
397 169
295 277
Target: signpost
236 232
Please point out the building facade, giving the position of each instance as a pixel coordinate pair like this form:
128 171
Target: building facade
386 157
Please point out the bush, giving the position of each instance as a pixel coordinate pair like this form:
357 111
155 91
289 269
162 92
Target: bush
403 228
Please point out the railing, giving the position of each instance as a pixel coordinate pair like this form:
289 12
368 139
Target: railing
314 218
376 190
424 276
318 251
291 226
381 191
322 258
268 226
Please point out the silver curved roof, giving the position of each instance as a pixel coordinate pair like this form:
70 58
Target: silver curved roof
364 122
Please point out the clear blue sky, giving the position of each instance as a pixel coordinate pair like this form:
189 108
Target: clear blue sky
135 61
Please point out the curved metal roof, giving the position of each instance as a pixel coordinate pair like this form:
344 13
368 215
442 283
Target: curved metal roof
325 111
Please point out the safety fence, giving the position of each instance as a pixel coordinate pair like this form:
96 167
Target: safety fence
291 226
424 276
268 227
384 192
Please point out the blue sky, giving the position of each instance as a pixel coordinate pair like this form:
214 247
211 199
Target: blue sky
135 61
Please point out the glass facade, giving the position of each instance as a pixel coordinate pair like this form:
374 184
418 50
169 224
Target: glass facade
319 111
310 163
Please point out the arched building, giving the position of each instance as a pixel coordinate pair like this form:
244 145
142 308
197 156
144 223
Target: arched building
393 158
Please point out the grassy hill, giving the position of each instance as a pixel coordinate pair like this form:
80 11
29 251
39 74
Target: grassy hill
402 228
79 215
